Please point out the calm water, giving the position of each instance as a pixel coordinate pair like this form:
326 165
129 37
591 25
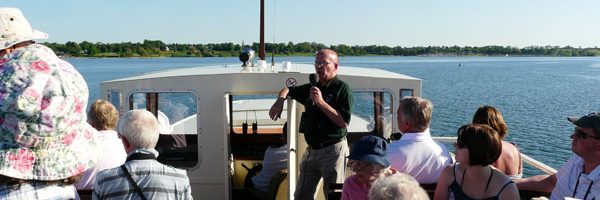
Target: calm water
534 94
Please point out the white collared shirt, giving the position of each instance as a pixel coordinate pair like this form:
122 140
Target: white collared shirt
113 156
566 181
418 155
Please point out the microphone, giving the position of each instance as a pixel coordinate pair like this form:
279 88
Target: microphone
314 79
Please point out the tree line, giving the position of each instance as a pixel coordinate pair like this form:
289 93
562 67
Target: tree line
157 48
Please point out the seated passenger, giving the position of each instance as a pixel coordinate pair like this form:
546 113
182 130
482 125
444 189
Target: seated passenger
169 144
399 186
139 131
472 177
416 153
368 161
275 159
579 178
103 117
510 158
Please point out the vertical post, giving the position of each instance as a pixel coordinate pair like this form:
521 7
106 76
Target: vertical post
152 103
261 51
378 102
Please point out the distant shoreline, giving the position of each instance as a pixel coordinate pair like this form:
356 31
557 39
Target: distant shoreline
156 48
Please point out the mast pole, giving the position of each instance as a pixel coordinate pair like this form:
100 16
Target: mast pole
261 51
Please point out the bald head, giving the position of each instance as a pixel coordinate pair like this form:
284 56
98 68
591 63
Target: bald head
328 53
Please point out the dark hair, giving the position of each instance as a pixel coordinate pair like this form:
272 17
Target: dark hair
482 141
492 117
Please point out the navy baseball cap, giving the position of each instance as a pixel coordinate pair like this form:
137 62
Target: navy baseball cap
370 148
591 120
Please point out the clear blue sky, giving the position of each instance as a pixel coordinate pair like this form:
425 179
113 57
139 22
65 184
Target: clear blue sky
354 22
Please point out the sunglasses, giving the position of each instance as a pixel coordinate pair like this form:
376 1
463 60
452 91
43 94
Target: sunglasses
583 135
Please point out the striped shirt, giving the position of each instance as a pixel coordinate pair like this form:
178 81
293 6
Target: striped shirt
157 181
38 190
572 182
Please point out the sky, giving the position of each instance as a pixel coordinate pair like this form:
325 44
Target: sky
517 23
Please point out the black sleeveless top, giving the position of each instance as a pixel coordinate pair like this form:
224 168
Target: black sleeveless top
460 195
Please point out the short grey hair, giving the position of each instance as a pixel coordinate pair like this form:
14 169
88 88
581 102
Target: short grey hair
417 111
397 186
140 127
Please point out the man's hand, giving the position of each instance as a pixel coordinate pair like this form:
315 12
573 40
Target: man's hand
276 109
315 95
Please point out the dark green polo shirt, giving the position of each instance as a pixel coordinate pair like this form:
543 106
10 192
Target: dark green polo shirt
317 127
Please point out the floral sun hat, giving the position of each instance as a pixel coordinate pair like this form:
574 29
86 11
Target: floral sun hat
43 130
14 28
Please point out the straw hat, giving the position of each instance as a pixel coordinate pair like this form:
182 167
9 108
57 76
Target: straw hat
14 28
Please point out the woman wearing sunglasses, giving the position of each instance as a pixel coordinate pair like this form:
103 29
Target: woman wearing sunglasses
473 177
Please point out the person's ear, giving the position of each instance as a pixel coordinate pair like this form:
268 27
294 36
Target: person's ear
126 143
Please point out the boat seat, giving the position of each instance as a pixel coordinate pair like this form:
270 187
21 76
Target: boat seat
274 187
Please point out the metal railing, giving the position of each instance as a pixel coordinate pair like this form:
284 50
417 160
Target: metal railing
526 159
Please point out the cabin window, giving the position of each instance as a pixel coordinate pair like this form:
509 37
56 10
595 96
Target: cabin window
371 114
178 140
406 93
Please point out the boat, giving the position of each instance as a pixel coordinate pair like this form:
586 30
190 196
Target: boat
222 112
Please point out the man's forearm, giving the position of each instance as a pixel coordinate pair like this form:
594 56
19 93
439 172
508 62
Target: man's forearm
541 183
332 114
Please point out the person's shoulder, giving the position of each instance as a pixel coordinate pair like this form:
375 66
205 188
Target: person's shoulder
174 170
106 174
573 161
350 180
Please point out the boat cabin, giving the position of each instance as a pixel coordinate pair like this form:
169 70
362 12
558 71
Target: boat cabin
220 123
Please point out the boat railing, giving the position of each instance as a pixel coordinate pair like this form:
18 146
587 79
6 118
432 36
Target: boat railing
526 159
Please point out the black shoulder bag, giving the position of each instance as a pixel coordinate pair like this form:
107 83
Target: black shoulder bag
135 186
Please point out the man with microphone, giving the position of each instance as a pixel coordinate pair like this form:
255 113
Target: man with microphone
328 105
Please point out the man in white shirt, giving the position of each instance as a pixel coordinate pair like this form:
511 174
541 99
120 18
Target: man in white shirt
416 153
579 178
275 159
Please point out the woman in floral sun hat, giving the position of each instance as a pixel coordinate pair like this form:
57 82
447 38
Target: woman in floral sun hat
45 142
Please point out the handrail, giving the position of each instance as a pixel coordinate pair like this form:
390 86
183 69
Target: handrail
526 159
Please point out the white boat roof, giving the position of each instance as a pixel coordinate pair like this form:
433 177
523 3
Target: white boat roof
237 69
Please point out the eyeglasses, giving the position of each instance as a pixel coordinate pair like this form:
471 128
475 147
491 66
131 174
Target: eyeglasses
321 64
361 166
583 135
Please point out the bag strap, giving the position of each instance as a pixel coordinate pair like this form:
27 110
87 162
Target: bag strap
135 186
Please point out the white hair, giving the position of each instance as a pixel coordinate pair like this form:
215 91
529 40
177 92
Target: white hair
140 127
397 186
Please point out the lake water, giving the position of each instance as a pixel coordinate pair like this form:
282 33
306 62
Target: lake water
535 94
